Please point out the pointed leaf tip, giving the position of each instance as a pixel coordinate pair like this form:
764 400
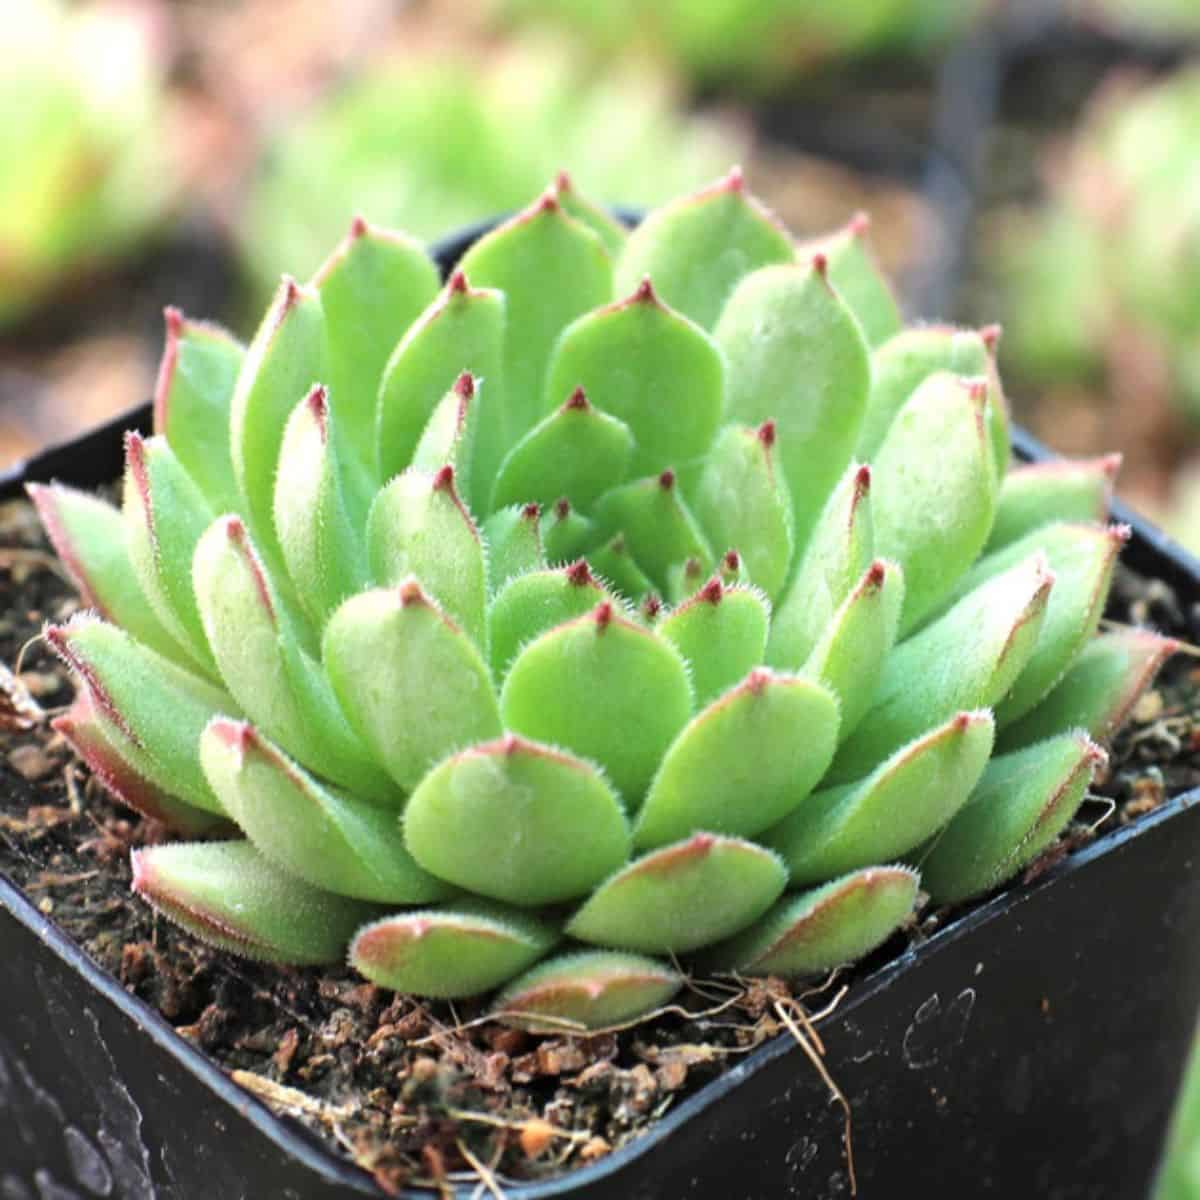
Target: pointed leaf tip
732 561
990 336
713 592
666 480
548 203
859 225
410 595
531 512
457 284
645 292
579 574
444 479
464 386
862 482
602 614
766 434
358 226
318 405
735 181
820 264
562 508
652 606
562 181
577 401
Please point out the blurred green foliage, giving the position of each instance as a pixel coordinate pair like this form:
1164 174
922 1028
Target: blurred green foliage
760 44
435 144
82 169
1117 249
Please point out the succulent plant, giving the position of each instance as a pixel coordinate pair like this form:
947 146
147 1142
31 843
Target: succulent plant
82 174
629 596
759 44
1114 253
433 142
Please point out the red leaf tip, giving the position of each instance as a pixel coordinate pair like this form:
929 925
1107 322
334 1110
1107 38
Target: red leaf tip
757 680
456 285
644 293
732 560
140 871
713 592
464 386
235 531
579 574
666 480
410 595
358 227
701 843
443 481
562 181
318 405
961 722
1119 534
875 573
652 605
237 735
991 337
562 508
532 512
766 434
174 319
735 181
291 293
820 264
859 224
577 401
1110 466
862 479
548 202
602 614
977 389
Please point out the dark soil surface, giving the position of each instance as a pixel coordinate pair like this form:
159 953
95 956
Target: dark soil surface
410 1090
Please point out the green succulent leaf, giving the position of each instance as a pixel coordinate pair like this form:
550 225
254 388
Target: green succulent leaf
935 493
904 801
551 269
657 525
89 536
721 632
373 286
1022 803
196 378
513 537
227 894
286 357
517 821
654 370
822 928
532 603
273 679
857 278
742 763
698 247
576 452
1081 558
450 435
165 514
969 658
569 688
462 330
460 949
590 990
901 364
1036 494
333 841
322 545
859 636
411 683
838 552
1098 691
149 709
614 563
575 204
741 502
84 732
419 527
796 356
682 896
565 533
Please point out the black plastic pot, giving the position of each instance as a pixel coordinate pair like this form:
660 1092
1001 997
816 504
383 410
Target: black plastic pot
1031 1047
